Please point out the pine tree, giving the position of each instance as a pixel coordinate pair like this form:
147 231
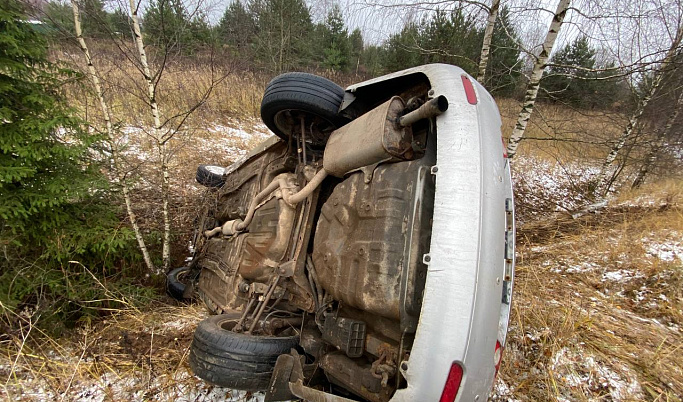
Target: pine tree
54 203
96 23
283 29
568 80
356 45
454 38
167 25
237 28
120 23
402 50
335 38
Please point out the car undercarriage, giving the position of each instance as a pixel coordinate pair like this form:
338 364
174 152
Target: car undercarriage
313 253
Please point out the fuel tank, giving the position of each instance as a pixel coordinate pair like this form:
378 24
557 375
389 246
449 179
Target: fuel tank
370 239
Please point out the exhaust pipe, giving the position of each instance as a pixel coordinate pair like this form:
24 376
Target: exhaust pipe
432 108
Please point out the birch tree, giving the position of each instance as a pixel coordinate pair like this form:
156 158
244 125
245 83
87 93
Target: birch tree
164 130
659 142
606 175
535 79
160 137
110 137
486 44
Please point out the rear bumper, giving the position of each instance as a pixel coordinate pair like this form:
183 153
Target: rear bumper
462 314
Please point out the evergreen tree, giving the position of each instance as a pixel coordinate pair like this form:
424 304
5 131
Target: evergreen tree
282 37
444 37
120 23
95 20
402 50
356 47
59 17
454 38
54 205
573 79
168 25
335 37
372 60
237 28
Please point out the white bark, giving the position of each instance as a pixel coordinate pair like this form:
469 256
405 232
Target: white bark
486 45
161 141
660 142
605 173
535 79
115 156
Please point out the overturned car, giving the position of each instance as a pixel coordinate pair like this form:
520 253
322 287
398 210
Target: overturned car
365 252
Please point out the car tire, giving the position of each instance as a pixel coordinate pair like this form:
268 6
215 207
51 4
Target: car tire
290 95
235 360
210 175
174 282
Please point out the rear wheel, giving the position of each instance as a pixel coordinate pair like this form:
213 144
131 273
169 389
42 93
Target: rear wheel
291 97
236 360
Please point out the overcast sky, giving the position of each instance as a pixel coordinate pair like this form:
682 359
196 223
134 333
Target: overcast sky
608 23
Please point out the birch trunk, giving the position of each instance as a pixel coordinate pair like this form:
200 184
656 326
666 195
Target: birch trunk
535 79
605 174
486 45
660 142
115 157
161 142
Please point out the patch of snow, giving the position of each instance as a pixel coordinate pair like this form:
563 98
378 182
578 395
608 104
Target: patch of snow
181 323
581 371
577 268
259 131
546 186
667 250
621 275
502 392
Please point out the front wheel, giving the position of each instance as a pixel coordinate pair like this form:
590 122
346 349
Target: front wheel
236 360
210 176
176 282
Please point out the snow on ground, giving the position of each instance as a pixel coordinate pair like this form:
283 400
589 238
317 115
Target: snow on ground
212 140
542 186
670 249
127 386
501 392
576 368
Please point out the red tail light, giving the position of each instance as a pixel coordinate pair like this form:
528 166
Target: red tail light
450 390
469 90
505 148
497 356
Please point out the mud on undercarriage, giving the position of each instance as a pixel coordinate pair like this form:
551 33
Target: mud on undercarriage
310 252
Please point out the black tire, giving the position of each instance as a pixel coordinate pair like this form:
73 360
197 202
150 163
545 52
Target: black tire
210 175
175 285
235 360
291 95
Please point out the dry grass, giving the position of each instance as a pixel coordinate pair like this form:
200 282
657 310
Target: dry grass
131 355
598 306
233 94
559 134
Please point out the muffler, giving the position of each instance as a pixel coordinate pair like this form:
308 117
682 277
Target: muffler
383 134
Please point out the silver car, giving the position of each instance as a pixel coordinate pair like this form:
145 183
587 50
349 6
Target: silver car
365 252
